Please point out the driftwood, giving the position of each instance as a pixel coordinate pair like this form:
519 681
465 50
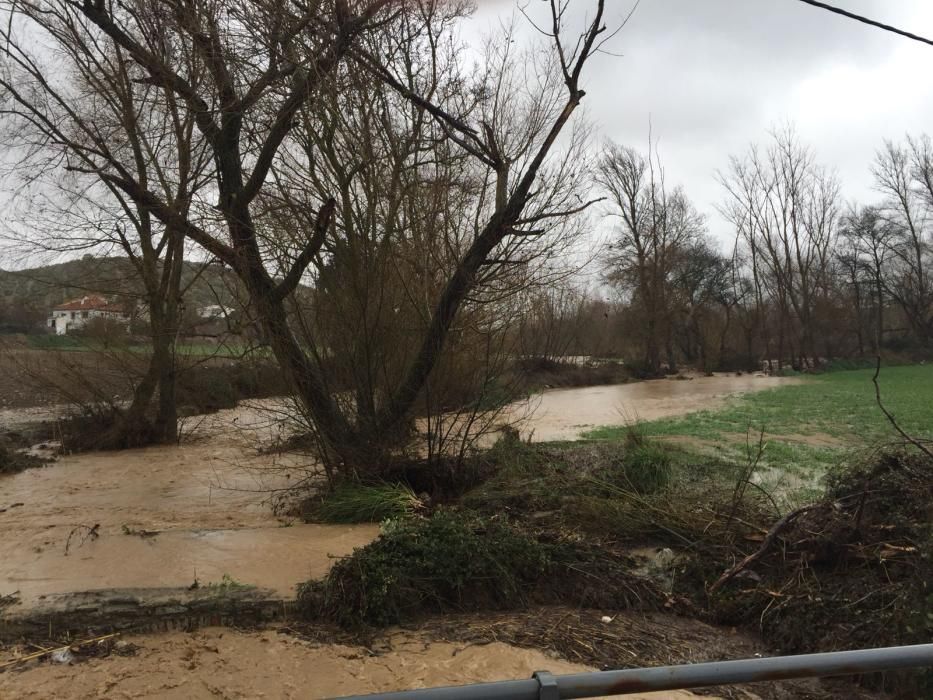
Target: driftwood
769 539
45 652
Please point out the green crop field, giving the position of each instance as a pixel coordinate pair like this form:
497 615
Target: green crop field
827 420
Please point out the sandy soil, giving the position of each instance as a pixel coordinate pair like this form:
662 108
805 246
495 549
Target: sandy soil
223 663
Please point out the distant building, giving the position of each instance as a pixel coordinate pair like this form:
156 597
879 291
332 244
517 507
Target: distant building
213 312
77 313
211 321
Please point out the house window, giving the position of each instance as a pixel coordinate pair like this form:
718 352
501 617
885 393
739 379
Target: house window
84 314
72 315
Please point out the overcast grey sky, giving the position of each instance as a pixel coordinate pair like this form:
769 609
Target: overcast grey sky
715 75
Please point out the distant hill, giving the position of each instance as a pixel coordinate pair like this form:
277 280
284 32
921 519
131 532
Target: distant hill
27 295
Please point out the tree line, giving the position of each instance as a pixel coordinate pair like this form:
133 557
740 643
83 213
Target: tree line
404 218
808 277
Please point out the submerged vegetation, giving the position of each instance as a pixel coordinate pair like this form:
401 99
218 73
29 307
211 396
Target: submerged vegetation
351 502
13 461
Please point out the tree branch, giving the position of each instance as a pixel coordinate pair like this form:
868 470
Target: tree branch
322 223
912 440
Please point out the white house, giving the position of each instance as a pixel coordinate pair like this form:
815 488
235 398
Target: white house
213 312
76 313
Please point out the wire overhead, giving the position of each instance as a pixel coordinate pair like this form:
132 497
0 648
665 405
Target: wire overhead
866 20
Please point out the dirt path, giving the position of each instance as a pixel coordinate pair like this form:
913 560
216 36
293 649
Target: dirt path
224 663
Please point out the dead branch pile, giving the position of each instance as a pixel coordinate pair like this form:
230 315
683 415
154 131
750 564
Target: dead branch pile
852 571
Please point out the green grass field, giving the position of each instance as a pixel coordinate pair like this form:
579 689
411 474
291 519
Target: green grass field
829 420
194 349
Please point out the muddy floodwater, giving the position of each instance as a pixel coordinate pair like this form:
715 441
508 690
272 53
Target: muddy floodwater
163 517
222 663
564 414
170 516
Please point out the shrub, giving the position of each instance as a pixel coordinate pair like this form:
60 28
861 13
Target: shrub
209 388
12 461
359 503
450 561
101 426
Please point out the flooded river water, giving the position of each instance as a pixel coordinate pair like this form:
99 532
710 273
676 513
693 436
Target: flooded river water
565 413
223 663
167 516
162 517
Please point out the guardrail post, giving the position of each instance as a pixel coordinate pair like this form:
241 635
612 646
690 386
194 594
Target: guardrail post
547 685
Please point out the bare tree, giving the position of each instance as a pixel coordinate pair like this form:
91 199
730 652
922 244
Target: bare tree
703 296
904 174
867 237
244 73
654 226
785 207
108 105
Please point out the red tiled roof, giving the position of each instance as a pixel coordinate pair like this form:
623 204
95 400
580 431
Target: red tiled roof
92 302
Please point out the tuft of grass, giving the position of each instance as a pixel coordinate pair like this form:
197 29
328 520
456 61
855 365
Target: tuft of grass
351 502
647 466
226 584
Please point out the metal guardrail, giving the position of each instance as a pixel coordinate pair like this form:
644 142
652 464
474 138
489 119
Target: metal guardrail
545 686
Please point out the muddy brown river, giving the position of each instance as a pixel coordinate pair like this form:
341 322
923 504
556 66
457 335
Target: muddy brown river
223 663
167 516
163 517
564 414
